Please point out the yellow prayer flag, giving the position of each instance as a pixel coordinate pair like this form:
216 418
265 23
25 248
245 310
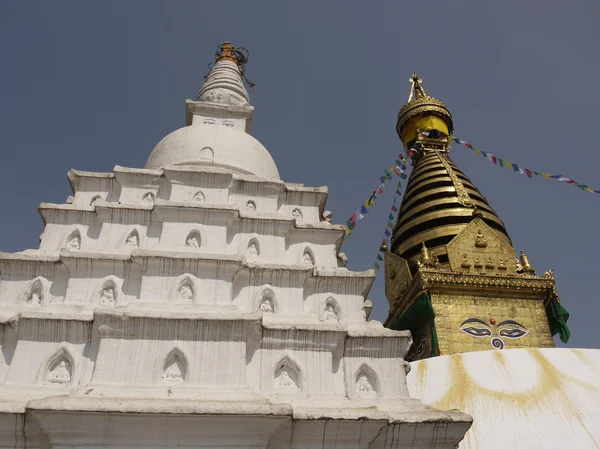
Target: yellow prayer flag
589 190
477 150
546 175
508 164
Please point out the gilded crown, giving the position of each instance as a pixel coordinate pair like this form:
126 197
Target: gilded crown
418 103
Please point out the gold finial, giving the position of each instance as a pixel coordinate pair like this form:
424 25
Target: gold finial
527 267
428 260
225 51
416 88
384 246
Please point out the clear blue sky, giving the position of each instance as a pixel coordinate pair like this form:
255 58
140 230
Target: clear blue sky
89 85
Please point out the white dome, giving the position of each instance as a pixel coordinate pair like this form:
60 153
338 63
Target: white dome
214 145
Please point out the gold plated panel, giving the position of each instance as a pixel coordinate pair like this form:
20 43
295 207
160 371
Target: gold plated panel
397 276
477 322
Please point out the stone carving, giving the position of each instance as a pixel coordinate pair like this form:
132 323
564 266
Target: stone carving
60 373
363 386
297 214
477 263
148 199
193 240
251 206
480 240
185 293
501 264
465 262
266 305
74 242
489 263
198 197
307 258
207 154
342 260
328 216
35 296
107 298
173 374
284 381
133 240
70 199
253 248
175 368
330 313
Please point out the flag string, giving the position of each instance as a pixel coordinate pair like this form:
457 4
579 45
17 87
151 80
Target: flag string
523 171
391 220
399 169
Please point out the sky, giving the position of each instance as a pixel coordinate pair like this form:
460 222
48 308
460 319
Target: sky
90 85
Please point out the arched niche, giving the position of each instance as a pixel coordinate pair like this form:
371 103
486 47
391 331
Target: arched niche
250 206
133 239
266 302
297 214
308 258
148 199
253 249
108 292
95 199
366 384
287 376
59 368
193 239
331 312
199 197
38 292
207 154
185 292
174 369
73 242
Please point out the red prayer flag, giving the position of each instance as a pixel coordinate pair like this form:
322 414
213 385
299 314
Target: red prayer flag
572 182
529 174
495 159
394 208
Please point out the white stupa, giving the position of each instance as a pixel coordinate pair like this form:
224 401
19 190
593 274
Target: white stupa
201 303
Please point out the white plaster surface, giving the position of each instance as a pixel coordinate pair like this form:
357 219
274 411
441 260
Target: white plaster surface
529 398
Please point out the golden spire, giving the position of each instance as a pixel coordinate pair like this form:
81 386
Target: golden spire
419 105
225 52
527 267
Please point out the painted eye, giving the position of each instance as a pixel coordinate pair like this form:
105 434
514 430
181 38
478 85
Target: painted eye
512 333
477 331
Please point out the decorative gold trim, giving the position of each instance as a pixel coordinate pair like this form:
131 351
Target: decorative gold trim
463 196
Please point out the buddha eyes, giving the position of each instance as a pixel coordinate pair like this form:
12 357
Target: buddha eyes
477 331
512 333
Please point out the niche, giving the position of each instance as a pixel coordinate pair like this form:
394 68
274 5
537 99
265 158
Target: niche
286 376
366 385
297 214
107 294
251 206
307 257
132 240
35 293
175 368
193 239
148 199
253 248
267 302
331 312
74 241
95 200
60 368
185 291
198 197
207 154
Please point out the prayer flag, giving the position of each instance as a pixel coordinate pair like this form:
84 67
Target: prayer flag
390 225
507 164
582 187
494 159
359 215
363 209
396 171
379 257
379 190
347 231
403 175
477 150
394 208
388 233
398 192
377 266
529 174
501 162
391 217
382 179
398 162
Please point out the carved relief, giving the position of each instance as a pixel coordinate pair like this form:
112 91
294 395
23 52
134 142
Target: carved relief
174 370
207 154
185 292
133 240
193 240
74 241
267 302
148 199
35 293
95 200
286 376
251 206
107 297
297 214
307 257
199 197
481 247
253 248
60 369
331 310
366 383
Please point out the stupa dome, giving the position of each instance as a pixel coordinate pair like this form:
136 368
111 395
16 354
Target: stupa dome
216 145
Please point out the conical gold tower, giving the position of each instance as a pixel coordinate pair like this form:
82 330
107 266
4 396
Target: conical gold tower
452 275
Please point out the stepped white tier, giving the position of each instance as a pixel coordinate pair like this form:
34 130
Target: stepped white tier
201 302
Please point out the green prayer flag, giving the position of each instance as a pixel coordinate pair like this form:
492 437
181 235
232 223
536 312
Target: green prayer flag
501 162
391 217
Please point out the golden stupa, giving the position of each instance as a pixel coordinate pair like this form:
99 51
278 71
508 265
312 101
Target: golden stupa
452 275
